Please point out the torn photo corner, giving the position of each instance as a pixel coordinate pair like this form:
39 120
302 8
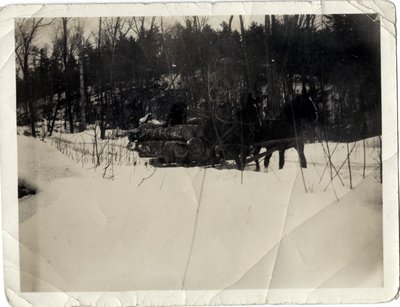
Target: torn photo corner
210 153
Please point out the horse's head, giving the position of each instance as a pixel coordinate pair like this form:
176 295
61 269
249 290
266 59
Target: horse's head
313 111
305 109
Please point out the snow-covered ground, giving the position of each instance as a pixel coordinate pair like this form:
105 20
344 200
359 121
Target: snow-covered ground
195 228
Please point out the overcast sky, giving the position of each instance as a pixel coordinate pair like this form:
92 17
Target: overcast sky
47 34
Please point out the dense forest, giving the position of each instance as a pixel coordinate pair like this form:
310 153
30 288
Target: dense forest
112 71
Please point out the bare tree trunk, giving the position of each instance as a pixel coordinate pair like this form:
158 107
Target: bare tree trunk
348 163
66 76
101 120
246 58
230 23
28 89
275 77
380 159
82 95
31 108
112 83
166 51
269 68
32 117
55 115
364 158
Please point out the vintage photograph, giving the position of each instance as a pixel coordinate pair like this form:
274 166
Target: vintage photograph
229 152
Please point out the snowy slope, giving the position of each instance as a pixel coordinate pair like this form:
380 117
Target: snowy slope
195 228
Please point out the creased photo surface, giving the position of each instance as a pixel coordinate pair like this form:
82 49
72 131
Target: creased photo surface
223 156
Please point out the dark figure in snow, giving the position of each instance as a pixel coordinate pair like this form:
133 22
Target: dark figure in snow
249 117
287 130
246 128
249 111
178 113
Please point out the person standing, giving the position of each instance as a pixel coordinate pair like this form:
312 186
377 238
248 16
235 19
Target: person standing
44 128
178 113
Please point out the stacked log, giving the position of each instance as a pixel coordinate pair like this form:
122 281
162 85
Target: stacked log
173 144
150 149
174 151
196 147
179 132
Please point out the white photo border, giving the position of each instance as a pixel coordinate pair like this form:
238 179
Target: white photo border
8 157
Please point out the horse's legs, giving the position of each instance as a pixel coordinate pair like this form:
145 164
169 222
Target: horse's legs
256 151
213 159
300 150
240 159
267 158
281 157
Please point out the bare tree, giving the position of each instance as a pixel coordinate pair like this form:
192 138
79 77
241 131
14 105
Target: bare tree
65 58
230 23
26 33
79 38
138 25
109 32
246 57
82 95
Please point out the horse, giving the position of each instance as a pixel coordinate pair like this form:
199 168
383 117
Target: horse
246 128
286 131
231 135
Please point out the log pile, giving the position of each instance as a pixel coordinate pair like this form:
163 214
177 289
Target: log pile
174 144
179 132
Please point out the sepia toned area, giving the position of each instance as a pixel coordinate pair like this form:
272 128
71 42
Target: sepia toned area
199 153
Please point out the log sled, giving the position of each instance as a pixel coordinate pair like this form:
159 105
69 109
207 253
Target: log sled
147 132
179 144
189 144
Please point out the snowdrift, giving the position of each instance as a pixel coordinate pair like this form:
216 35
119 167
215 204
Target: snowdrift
197 228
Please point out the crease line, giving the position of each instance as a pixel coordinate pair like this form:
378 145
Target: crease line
194 232
285 236
280 241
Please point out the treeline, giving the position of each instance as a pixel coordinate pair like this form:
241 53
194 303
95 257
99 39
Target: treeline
125 67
